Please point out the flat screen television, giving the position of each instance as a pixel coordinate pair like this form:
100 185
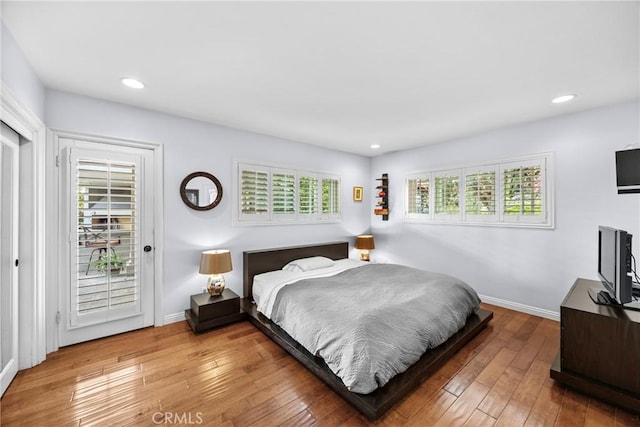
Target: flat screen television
614 266
628 171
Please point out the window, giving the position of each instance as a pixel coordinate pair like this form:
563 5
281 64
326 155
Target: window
254 193
308 200
511 192
523 192
481 193
283 194
331 197
269 195
447 194
418 195
106 269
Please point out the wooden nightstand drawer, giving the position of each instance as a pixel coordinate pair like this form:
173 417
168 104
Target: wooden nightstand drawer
211 311
206 307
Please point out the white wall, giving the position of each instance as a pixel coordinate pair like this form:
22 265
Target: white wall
191 146
534 267
23 108
18 75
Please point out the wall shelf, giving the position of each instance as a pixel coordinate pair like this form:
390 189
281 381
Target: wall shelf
382 197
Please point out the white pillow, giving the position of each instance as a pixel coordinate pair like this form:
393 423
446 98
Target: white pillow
306 264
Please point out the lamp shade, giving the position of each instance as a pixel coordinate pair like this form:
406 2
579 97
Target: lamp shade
365 241
215 262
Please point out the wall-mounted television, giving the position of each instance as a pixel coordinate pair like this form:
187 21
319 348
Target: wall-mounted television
614 267
628 171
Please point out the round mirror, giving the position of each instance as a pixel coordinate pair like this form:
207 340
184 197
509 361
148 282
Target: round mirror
201 191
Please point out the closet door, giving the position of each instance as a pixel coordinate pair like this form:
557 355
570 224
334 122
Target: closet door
107 253
9 152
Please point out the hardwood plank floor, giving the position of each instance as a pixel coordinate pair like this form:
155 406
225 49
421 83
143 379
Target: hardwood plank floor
236 376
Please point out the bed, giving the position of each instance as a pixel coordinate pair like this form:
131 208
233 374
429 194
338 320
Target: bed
372 404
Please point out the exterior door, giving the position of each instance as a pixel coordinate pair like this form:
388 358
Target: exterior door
9 177
107 240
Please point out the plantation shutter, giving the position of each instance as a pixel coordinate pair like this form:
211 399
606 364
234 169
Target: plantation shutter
330 197
447 195
523 191
308 195
516 192
105 282
283 193
254 192
271 195
480 189
418 196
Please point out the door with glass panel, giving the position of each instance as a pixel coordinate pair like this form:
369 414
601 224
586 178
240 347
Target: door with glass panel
9 152
108 257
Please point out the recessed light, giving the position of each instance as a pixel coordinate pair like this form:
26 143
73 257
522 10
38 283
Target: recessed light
563 98
375 146
132 83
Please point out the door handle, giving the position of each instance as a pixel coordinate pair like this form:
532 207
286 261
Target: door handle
147 248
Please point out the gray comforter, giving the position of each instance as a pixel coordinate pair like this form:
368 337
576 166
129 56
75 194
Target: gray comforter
372 322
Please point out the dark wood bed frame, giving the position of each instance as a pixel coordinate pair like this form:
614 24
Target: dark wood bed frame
374 404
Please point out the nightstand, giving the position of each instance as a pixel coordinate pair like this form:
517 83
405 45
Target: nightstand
212 311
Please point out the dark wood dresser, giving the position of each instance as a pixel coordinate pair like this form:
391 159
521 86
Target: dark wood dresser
599 348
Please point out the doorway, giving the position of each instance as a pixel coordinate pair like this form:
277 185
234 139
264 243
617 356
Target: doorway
107 223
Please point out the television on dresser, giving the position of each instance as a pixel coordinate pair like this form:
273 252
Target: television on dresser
614 267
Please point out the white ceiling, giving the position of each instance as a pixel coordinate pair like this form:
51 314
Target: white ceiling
343 75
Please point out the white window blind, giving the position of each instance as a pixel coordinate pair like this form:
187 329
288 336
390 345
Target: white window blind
447 195
481 193
330 197
283 193
418 196
509 192
106 229
523 191
271 195
308 195
254 192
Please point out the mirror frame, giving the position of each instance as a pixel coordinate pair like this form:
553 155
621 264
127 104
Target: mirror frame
183 193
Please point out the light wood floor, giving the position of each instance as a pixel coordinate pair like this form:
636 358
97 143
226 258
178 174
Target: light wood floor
236 376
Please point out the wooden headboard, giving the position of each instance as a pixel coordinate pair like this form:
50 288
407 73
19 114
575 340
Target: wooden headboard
261 261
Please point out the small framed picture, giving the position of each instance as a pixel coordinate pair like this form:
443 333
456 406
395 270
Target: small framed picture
357 194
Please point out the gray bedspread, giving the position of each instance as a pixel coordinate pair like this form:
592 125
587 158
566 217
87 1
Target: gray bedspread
373 322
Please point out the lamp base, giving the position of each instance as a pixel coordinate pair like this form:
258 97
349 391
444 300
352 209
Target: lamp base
364 256
215 290
215 285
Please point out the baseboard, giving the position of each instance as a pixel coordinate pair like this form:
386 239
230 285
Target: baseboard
173 318
548 314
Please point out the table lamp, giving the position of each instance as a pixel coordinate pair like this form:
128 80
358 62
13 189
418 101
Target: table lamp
365 243
214 263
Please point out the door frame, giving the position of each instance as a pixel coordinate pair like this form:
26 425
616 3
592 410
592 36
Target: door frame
54 214
32 342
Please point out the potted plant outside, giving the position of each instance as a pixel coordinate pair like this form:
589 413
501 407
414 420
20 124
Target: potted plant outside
105 263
